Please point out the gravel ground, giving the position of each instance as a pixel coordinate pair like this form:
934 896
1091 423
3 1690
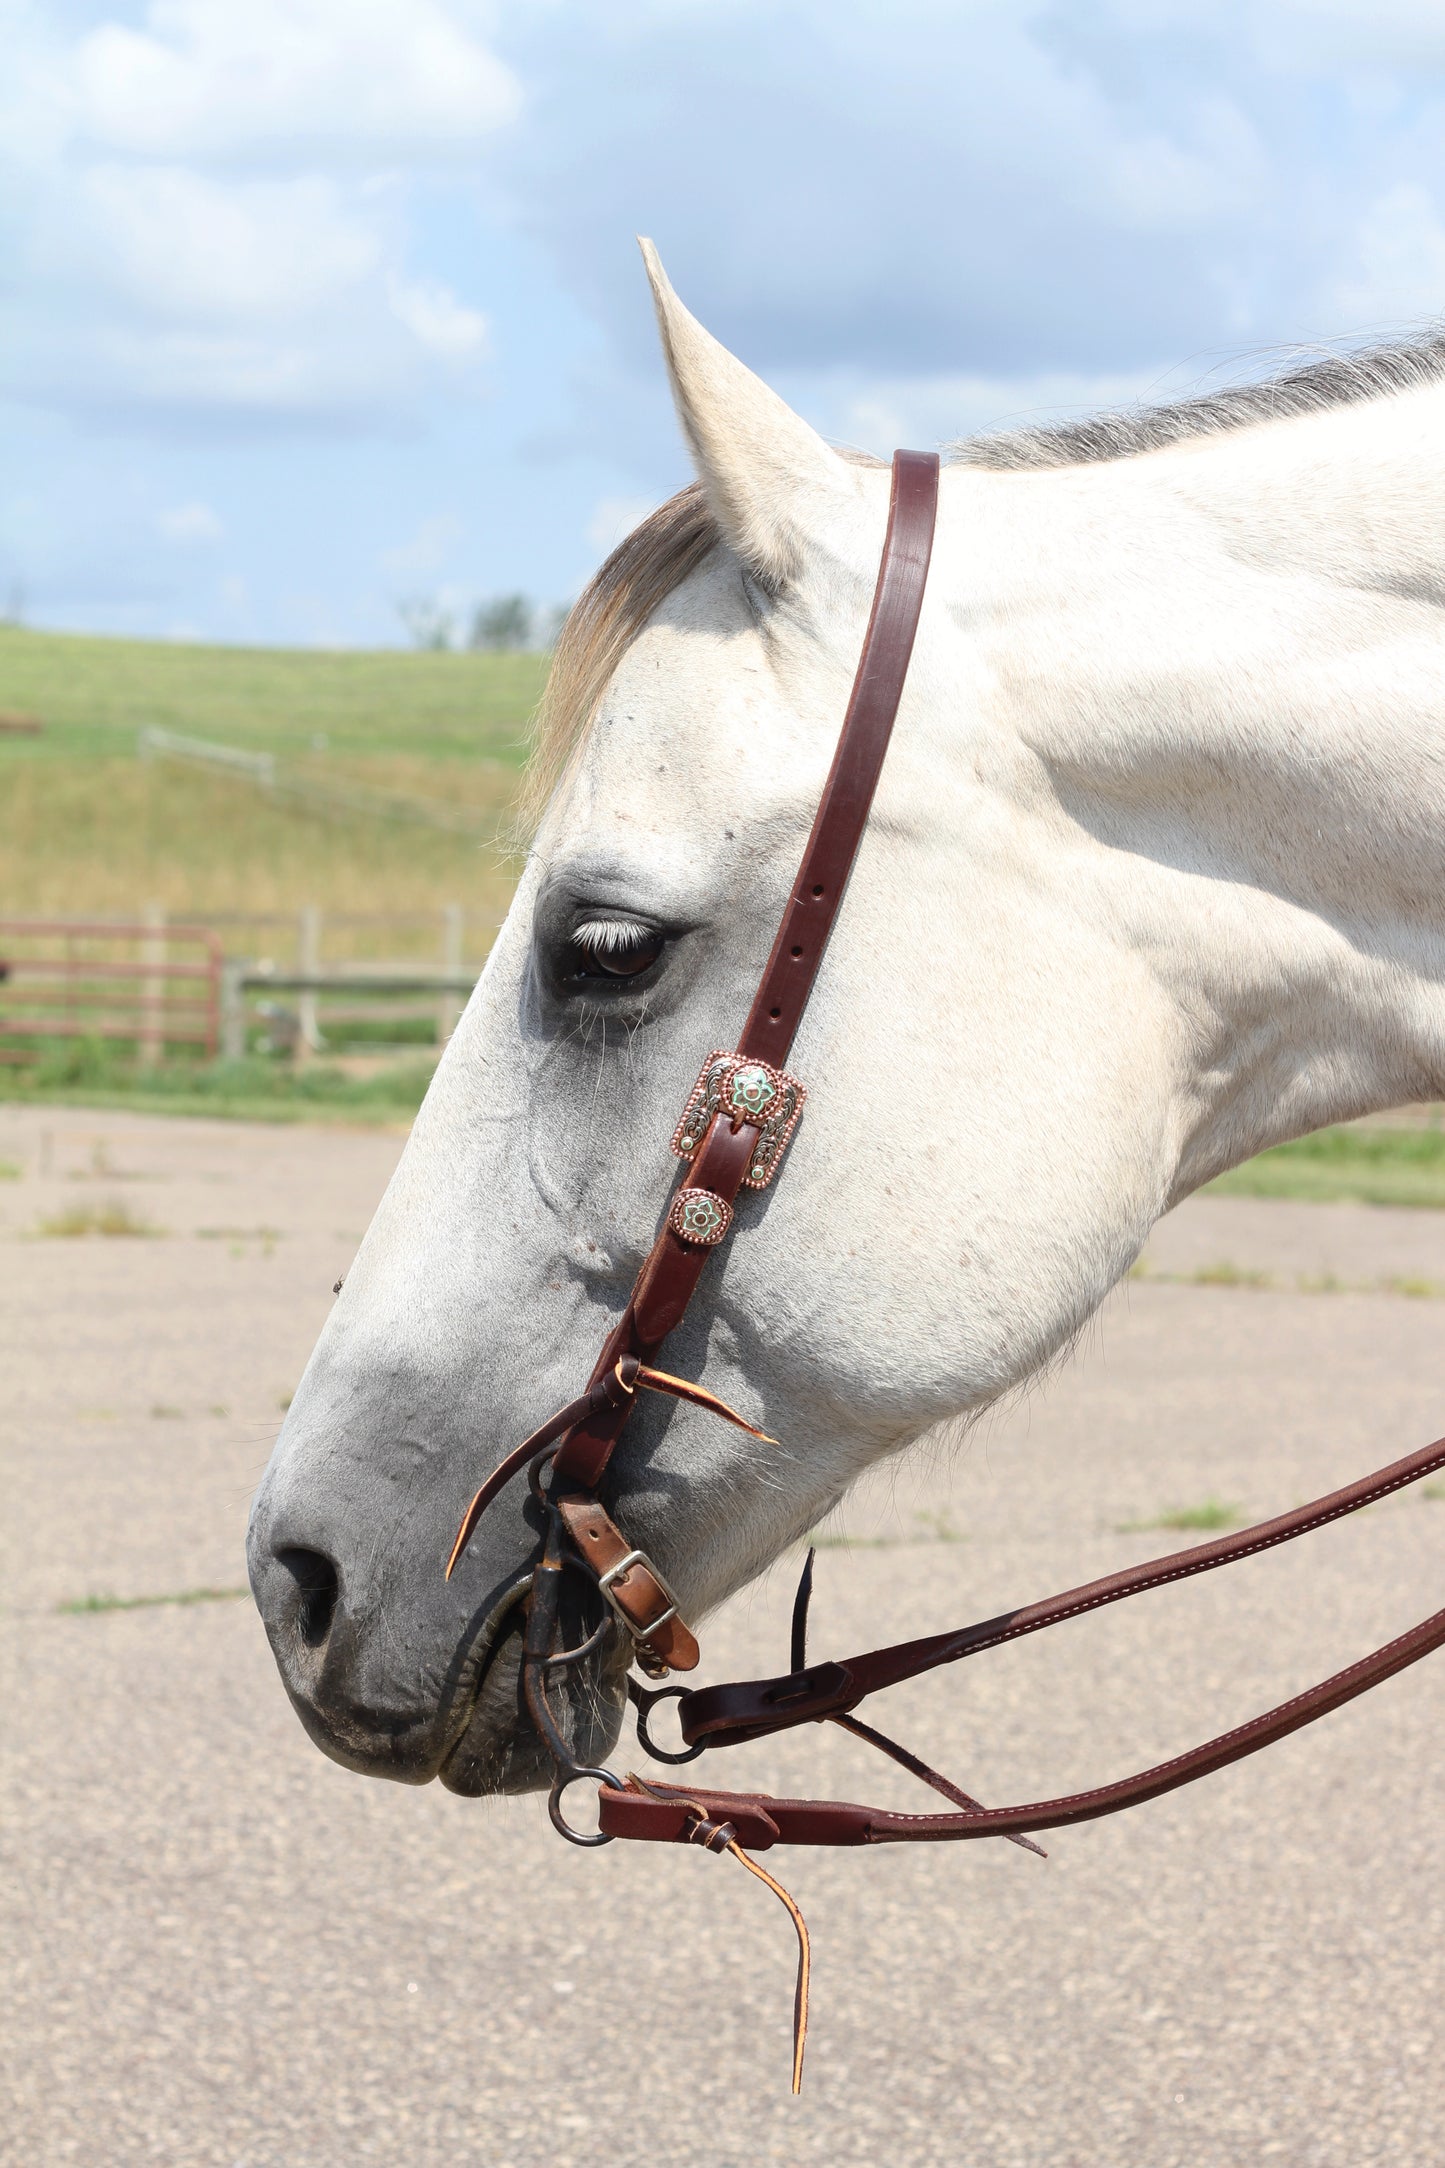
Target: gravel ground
221 1949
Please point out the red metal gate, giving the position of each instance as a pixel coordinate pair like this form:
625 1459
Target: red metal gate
156 985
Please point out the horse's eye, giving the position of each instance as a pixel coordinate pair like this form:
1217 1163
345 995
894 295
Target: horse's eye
615 949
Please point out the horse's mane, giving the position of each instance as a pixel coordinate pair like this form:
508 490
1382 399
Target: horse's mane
1333 378
675 539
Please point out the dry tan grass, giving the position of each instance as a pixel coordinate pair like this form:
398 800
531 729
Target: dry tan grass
107 836
86 827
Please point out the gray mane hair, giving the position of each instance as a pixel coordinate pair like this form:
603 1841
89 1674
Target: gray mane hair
1331 379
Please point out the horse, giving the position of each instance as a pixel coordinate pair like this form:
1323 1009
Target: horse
1152 881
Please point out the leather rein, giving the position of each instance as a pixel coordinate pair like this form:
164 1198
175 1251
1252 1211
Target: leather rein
733 1133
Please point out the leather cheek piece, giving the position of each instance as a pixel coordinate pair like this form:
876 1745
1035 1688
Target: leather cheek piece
673 1270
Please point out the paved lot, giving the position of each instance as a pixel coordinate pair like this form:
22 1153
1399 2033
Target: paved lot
220 1949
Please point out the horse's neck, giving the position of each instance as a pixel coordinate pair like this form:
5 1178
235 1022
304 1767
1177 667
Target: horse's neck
1235 684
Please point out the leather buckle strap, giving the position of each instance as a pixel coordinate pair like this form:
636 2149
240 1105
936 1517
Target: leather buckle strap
632 1588
612 1586
754 1708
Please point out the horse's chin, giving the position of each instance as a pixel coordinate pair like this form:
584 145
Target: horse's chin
500 1750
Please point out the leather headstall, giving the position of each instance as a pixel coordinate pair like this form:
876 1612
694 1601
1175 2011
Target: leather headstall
733 1132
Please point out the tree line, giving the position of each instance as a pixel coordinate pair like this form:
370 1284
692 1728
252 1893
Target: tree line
500 622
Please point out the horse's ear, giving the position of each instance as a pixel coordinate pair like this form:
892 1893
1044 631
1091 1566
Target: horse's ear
772 482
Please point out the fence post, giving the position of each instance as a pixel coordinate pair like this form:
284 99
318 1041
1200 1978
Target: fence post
153 956
449 1008
308 958
233 1009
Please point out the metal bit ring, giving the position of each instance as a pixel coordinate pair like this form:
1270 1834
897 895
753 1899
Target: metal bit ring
643 1703
564 1777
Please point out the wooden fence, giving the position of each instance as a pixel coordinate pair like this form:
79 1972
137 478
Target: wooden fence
158 984
148 981
335 797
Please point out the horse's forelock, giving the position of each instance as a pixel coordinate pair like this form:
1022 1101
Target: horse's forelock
612 609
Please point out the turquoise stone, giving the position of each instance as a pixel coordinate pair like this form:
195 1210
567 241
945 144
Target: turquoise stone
751 1089
701 1216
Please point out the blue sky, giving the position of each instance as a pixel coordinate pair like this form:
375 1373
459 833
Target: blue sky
308 306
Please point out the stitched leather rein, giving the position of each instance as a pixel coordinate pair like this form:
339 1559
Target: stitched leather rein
733 1132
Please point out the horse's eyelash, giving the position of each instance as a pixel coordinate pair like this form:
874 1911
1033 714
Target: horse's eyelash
611 936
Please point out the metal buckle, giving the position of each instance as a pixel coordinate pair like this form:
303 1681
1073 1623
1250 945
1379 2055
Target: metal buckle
640 1634
746 1090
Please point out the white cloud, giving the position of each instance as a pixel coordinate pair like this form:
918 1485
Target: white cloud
187 247
189 523
436 319
426 550
971 185
217 79
1315 36
214 212
926 411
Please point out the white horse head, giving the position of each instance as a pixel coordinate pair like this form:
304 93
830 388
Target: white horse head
1152 880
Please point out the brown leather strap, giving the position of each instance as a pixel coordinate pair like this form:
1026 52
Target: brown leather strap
663 1819
611 1389
719 1716
635 1590
847 796
669 1278
750 1709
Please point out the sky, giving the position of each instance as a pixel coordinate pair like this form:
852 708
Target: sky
314 309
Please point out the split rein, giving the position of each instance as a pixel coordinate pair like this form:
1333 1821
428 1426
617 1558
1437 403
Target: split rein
734 1131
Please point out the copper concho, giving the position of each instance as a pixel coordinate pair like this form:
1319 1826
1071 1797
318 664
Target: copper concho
748 1091
700 1217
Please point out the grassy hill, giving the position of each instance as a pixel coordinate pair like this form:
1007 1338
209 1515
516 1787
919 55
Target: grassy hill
94 695
86 826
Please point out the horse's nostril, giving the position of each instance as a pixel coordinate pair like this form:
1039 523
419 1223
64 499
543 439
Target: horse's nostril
317 1588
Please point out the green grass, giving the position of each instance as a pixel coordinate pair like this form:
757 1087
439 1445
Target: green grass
1208 1518
86 827
113 1218
85 1606
84 1073
95 695
1369 1165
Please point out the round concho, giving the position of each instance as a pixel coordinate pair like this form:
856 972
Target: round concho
696 1215
752 1090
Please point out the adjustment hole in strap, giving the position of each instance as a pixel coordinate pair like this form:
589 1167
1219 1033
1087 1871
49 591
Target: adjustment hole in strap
797 948
818 890
775 1014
